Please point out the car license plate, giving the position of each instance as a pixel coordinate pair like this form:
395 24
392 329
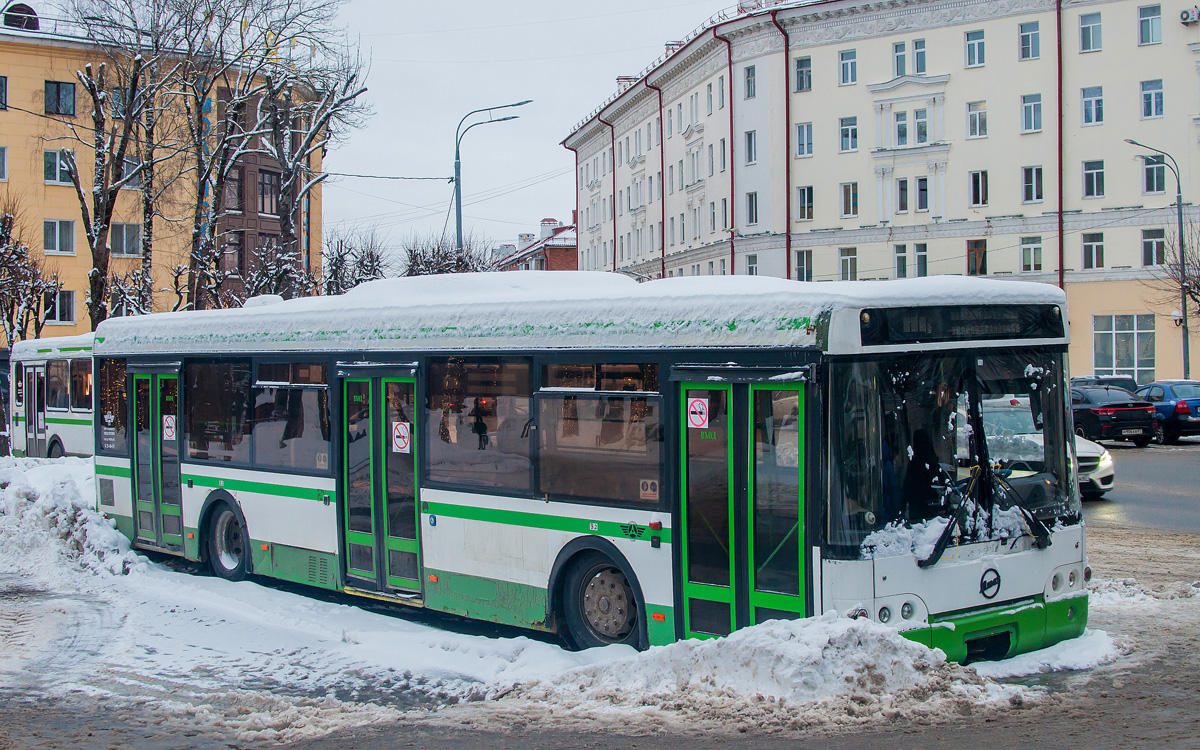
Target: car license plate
1131 432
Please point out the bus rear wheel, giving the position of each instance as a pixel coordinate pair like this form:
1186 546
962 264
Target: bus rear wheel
55 451
600 606
228 548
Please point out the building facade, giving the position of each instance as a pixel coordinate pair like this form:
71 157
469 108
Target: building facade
553 249
875 140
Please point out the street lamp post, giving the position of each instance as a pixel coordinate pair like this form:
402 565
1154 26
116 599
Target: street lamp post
1183 281
459 132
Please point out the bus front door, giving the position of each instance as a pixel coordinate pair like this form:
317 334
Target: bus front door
35 411
743 506
379 480
156 448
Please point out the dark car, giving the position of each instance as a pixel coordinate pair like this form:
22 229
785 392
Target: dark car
1104 412
1177 403
1121 381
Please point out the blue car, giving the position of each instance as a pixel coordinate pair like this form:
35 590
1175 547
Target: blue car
1177 406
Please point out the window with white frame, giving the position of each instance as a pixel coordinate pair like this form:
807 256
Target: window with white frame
751 146
1089 32
979 187
1031 41
975 56
671 226
722 154
804 203
901 129
919 56
848 260
58 236
712 160
670 179
1093 105
849 199
804 143
1093 250
922 193
752 208
901 256
724 215
1152 99
977 120
921 125
751 86
1154 247
1123 345
1031 184
1150 24
751 265
804 267
670 122
848 64
921 258
720 92
902 195
125 239
59 306
1093 179
54 169
803 74
848 132
710 99
1154 174
1031 113
899 59
1031 254
712 216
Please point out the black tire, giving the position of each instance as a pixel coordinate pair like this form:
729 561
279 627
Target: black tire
1140 442
599 604
1170 437
54 451
1080 431
1160 434
226 545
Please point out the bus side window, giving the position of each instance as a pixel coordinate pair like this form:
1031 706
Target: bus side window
81 385
58 376
19 386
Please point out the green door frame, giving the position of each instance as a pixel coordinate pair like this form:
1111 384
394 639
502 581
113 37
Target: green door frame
358 537
156 507
153 534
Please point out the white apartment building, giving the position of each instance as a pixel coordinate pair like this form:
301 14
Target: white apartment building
835 139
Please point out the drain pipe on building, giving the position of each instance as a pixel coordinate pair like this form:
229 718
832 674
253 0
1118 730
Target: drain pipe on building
662 166
732 161
787 140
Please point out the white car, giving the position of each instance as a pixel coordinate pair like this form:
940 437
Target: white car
1096 472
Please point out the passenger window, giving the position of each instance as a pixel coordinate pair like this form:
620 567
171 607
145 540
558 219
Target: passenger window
19 385
81 385
218 394
57 390
1156 394
111 373
291 418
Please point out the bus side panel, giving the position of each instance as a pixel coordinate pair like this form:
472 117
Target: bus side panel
73 430
490 557
114 492
291 520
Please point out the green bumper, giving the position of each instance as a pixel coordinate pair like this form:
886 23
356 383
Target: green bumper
1029 624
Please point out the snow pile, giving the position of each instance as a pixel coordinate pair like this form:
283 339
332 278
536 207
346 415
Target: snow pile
1127 592
39 495
1092 649
902 538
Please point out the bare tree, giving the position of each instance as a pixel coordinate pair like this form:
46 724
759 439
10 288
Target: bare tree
1171 276
277 270
436 254
24 281
351 258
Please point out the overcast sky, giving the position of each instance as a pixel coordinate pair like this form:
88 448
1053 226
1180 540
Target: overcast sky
432 62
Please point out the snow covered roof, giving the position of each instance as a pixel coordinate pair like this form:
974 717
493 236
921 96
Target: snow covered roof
548 310
562 237
48 348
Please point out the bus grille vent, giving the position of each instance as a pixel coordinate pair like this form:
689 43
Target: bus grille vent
318 570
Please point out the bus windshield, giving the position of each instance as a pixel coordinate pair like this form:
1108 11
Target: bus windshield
914 437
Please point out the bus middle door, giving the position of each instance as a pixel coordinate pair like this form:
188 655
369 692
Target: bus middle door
35 410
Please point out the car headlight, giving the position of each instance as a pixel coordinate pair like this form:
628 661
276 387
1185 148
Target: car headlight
1106 459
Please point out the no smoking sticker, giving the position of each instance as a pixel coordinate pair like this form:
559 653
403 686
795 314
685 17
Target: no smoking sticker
697 413
401 438
168 427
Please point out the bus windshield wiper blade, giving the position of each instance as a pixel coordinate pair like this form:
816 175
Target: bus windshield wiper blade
940 547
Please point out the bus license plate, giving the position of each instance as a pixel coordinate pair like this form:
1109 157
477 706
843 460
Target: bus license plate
1131 432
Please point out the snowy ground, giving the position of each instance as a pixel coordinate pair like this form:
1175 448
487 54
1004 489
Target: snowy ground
84 619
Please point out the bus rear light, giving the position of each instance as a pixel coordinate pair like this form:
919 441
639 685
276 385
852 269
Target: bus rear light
656 525
266 547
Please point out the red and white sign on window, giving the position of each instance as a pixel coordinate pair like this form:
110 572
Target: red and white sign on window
401 438
697 413
168 427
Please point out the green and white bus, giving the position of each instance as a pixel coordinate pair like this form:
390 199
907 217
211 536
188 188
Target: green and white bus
50 413
612 461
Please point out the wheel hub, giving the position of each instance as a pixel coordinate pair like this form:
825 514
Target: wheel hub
229 541
607 604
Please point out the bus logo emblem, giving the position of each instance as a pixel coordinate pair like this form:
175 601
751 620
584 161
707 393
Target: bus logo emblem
989 584
632 530
697 413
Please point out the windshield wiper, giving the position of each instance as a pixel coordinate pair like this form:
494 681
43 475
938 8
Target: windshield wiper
939 548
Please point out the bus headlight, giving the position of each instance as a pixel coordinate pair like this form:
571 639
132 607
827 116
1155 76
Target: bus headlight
1056 582
885 614
906 611
1071 579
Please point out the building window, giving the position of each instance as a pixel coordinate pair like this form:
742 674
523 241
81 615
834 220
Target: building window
1031 184
712 161
919 56
722 154
849 134
975 56
268 193
54 168
804 143
1093 250
60 98
848 60
59 306
58 236
125 239
1123 345
710 99
1154 247
751 146
977 257
922 193
849 199
751 208
848 257
1093 105
1031 113
1031 254
751 265
804 203
899 60
921 257
1089 32
921 124
720 92
235 190
804 74
1093 179
1031 43
902 196
670 122
3 92
1150 24
724 215
750 85
1152 99
901 129
804 269
977 120
979 188
1154 169
901 252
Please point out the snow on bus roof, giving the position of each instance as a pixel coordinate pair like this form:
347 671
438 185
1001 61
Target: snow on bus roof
57 346
546 309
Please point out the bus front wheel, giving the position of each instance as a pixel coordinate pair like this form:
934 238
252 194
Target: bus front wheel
600 606
228 547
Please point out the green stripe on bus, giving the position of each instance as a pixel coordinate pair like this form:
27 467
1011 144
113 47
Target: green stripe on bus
75 349
60 420
629 530
261 488
114 471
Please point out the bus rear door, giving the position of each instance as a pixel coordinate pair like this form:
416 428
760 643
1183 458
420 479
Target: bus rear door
35 410
156 474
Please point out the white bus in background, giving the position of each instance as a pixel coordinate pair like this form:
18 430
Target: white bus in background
51 397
